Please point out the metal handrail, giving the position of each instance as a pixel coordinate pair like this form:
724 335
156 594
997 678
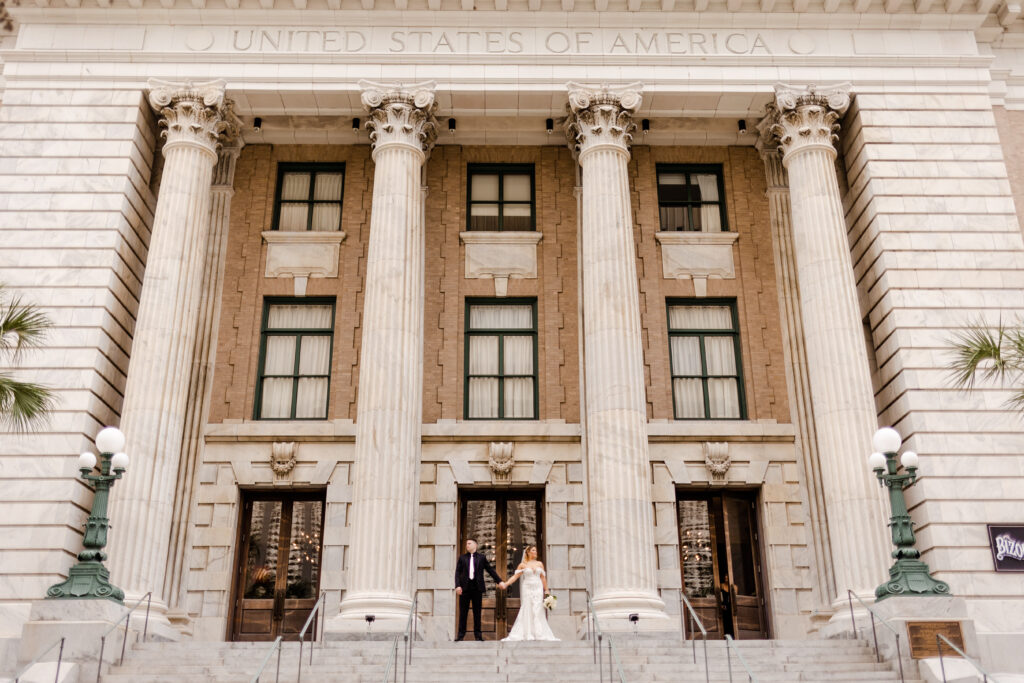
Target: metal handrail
60 656
391 661
613 656
731 645
275 646
939 639
317 608
874 634
148 597
703 632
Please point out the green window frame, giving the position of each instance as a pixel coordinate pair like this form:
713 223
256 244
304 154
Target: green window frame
501 376
685 207
296 375
716 401
316 197
477 221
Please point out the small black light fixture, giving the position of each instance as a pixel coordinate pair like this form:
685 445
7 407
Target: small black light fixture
355 126
451 126
369 621
645 126
549 124
257 125
634 619
742 125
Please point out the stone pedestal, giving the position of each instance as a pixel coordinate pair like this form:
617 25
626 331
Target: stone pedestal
842 398
381 557
624 577
81 623
164 340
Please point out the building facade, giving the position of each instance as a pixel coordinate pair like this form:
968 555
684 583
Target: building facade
362 281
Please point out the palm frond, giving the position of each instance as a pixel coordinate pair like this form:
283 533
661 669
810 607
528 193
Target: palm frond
23 404
22 326
978 347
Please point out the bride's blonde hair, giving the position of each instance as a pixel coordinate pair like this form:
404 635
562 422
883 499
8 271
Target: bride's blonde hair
526 552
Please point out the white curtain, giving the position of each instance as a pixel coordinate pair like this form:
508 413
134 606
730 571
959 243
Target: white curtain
710 215
719 356
501 317
327 217
700 318
483 360
518 390
295 186
314 359
483 391
279 359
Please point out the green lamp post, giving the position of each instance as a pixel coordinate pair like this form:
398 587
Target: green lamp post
89 578
908 575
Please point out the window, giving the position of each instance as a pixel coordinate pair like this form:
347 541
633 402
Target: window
309 197
690 198
501 360
295 359
500 197
704 350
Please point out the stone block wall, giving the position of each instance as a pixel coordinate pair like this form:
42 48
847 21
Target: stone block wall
75 213
937 246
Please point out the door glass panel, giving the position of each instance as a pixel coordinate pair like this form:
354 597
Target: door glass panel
482 526
695 548
304 552
261 563
520 534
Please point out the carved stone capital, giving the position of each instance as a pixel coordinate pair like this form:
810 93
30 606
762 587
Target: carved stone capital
400 115
190 113
806 117
768 147
601 117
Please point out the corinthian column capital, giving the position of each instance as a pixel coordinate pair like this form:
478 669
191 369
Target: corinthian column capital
806 117
191 114
400 115
601 117
768 147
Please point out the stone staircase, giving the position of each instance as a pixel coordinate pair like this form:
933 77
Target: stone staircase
471 662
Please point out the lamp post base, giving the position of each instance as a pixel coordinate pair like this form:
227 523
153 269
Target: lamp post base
87 579
911 577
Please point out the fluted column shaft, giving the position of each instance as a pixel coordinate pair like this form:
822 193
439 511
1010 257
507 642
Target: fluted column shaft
622 524
780 216
164 340
381 556
200 387
840 380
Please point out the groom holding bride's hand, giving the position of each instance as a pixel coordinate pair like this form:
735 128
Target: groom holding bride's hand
470 586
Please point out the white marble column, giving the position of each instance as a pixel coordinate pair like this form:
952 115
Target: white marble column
164 341
623 569
381 558
200 386
780 216
845 418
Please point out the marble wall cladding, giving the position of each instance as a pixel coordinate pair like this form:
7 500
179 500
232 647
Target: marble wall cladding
75 213
937 246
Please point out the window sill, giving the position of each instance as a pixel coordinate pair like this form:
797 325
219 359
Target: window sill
500 256
302 255
697 256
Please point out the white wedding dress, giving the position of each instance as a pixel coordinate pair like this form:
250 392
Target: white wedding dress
532 622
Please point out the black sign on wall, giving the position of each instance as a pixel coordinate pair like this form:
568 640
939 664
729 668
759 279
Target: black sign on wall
1007 543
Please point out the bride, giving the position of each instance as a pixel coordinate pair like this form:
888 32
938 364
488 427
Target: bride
531 623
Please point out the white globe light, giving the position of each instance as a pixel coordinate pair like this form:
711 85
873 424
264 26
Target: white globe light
110 440
887 440
86 461
119 461
876 461
909 459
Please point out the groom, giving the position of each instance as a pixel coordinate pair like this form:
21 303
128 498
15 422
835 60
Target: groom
469 586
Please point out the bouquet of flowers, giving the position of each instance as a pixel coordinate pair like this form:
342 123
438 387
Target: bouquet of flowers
550 602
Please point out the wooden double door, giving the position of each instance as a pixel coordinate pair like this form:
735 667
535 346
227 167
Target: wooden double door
278 568
504 523
721 562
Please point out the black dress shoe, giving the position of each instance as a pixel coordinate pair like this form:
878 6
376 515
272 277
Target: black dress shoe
479 638
458 639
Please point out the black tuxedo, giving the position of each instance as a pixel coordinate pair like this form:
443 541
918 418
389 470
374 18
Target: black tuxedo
472 590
